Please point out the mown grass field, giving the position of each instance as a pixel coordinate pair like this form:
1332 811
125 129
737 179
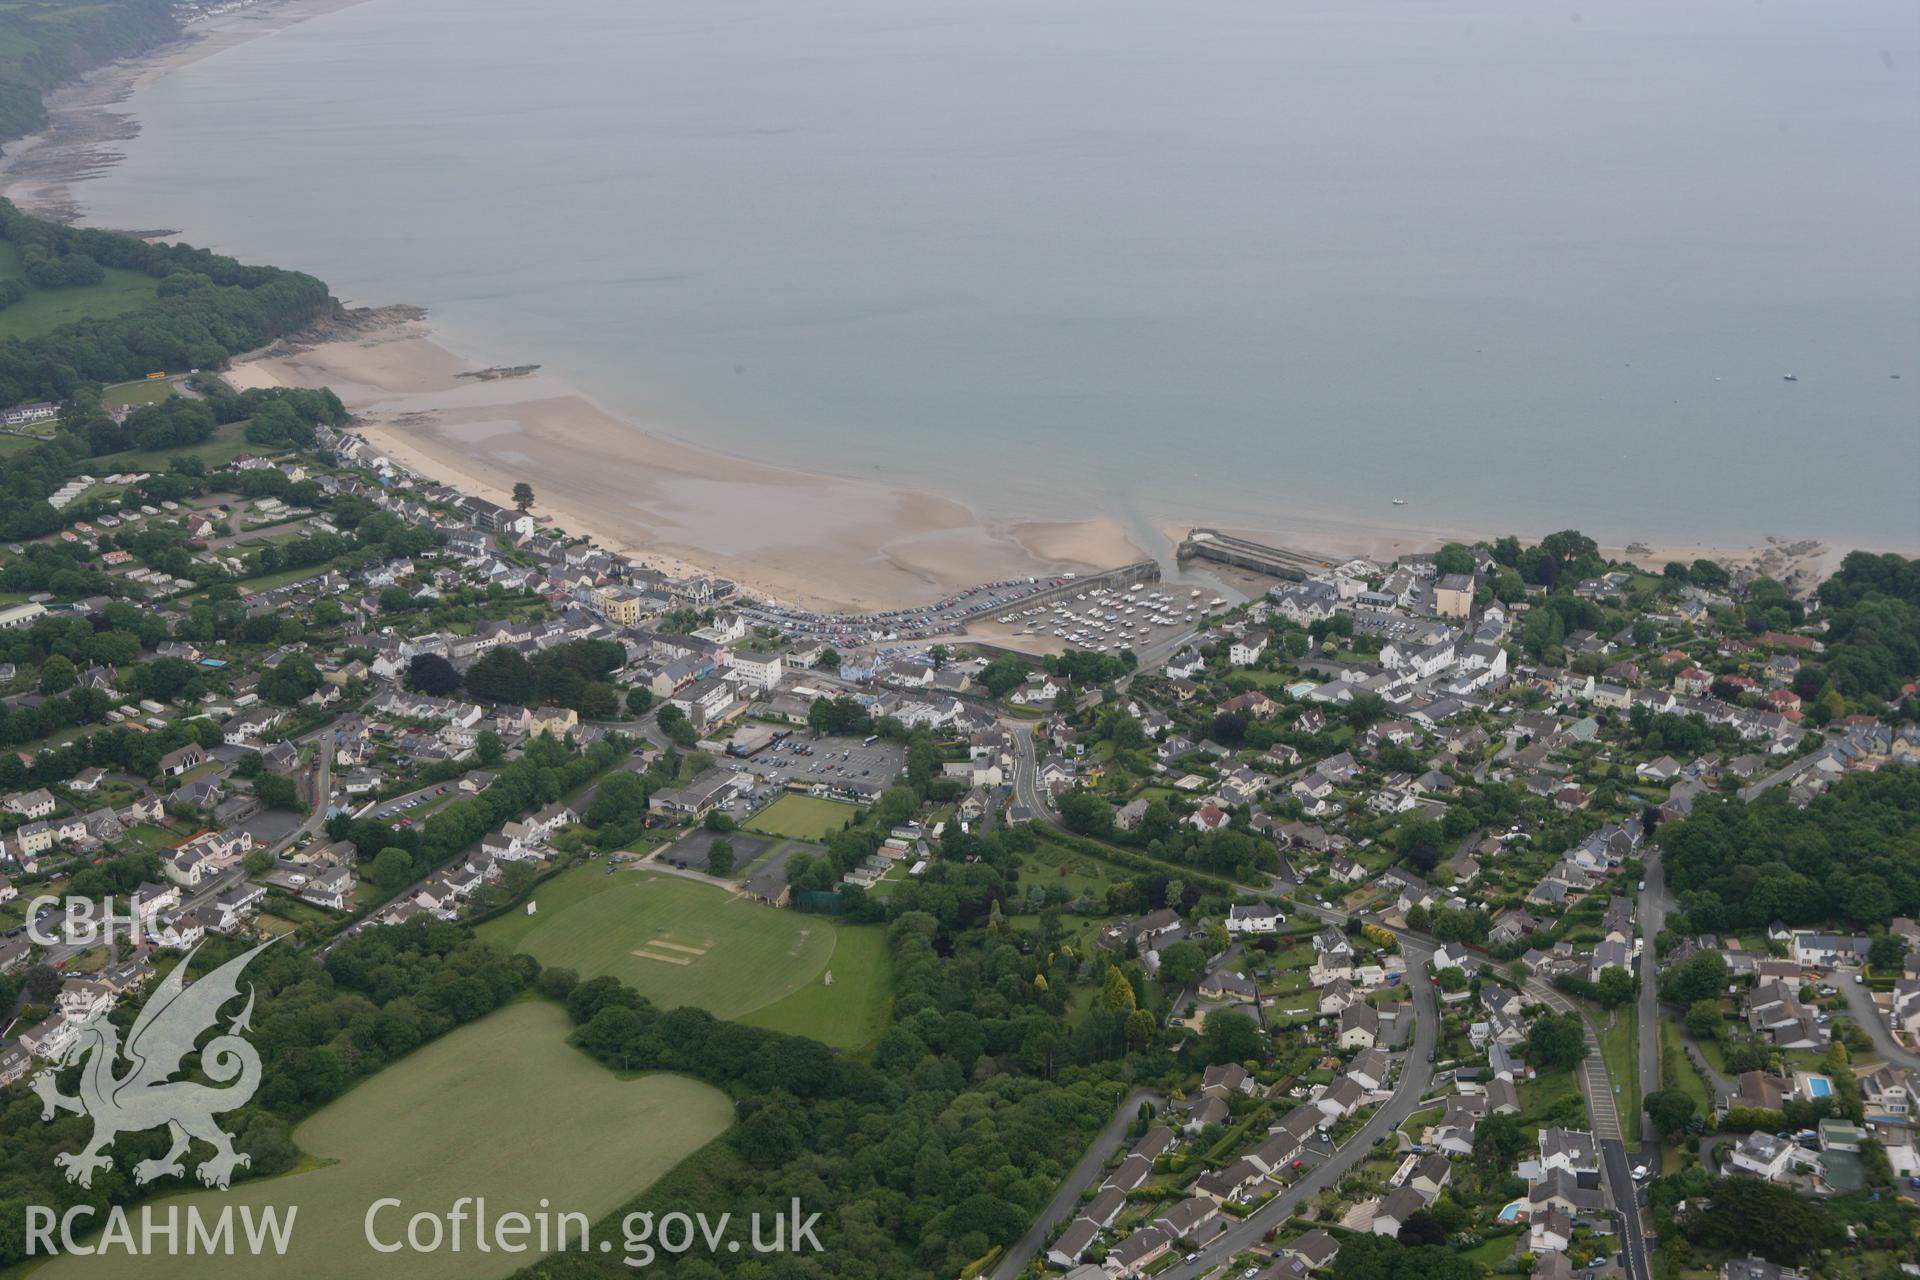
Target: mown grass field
680 942
855 1010
802 817
44 310
503 1109
136 393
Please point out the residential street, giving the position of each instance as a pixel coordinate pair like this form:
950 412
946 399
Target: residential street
1416 1074
1084 1174
1869 1015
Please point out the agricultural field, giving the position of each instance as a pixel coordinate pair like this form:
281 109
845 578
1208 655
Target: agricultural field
680 942
802 817
558 1126
44 310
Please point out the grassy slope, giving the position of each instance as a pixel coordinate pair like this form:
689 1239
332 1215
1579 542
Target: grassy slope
502 1109
43 310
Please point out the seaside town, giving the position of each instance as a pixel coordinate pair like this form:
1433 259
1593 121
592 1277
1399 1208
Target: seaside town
1500 901
1497 907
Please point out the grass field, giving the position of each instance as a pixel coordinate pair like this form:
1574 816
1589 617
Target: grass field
136 393
680 942
1677 1070
502 1109
854 1011
1539 1098
802 817
44 310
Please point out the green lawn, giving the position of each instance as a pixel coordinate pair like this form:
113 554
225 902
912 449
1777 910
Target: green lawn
503 1109
1620 1046
44 310
802 817
1048 866
136 393
855 1010
1539 1097
680 942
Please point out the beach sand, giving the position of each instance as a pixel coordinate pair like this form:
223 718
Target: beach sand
818 541
803 539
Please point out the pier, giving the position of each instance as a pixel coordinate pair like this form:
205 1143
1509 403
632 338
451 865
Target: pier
1275 562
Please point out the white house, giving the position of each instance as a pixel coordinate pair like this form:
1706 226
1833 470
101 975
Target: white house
1258 918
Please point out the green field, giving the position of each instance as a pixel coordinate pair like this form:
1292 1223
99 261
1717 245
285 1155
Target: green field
853 1012
502 1109
802 817
44 310
136 393
680 942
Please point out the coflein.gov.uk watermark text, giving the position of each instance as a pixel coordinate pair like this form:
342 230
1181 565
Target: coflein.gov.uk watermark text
388 1227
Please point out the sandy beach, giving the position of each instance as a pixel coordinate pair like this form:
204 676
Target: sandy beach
791 536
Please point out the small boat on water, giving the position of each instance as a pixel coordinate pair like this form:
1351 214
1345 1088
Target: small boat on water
1789 377
1399 502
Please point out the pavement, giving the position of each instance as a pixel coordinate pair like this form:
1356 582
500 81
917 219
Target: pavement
1067 1199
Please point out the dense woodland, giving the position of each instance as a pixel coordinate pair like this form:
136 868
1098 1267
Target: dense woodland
1873 632
1852 854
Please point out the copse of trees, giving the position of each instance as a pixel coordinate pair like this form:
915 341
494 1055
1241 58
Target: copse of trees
1873 631
1852 854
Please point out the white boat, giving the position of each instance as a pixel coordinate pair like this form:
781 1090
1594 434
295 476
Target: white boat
1399 502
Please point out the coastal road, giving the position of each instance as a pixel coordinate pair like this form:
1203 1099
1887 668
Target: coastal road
1416 1075
1084 1174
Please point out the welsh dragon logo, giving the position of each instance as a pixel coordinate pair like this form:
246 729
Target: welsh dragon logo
146 1097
